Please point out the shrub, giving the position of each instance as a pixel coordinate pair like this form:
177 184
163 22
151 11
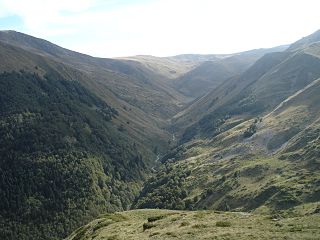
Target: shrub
172 234
155 218
101 225
183 224
154 234
223 224
199 226
250 131
148 226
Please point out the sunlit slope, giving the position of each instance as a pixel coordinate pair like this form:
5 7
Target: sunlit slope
262 87
164 224
167 67
212 72
252 144
263 164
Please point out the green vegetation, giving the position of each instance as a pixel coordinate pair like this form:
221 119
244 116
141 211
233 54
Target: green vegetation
223 224
79 137
148 226
228 172
251 144
214 70
270 184
155 218
212 225
257 91
62 160
165 190
252 129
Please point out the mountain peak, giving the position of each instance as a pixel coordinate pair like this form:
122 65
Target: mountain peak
312 38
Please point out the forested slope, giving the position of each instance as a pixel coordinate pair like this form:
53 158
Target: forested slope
62 159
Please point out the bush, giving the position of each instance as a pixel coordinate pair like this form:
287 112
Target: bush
223 224
199 226
183 224
148 226
250 131
155 218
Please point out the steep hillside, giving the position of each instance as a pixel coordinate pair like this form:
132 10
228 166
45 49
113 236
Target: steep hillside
315 37
194 74
204 78
62 159
212 72
252 144
140 125
141 99
131 82
207 105
263 164
269 81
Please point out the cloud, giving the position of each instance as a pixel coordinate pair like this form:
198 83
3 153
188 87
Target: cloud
165 27
43 15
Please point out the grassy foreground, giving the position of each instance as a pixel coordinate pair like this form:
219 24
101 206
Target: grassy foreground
167 224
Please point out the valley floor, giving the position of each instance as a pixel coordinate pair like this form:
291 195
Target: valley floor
167 224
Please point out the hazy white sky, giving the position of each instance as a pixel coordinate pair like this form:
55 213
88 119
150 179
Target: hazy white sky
112 28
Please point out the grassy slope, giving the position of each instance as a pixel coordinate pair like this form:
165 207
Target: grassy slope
272 167
165 224
224 93
269 81
169 68
204 78
315 37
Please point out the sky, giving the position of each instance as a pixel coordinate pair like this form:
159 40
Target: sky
118 28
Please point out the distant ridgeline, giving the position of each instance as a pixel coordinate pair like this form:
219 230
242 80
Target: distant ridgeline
62 161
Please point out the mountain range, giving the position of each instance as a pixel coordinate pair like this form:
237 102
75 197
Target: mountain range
81 135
